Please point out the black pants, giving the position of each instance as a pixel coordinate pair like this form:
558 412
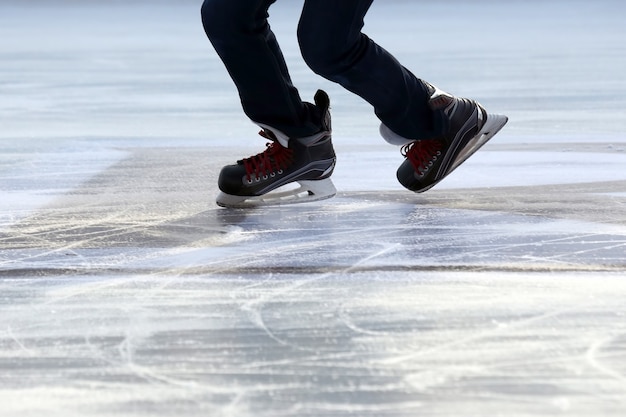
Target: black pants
331 42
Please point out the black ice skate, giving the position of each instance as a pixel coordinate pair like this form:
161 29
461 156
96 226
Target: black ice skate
468 127
260 179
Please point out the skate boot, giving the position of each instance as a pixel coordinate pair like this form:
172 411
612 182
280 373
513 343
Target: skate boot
467 127
264 179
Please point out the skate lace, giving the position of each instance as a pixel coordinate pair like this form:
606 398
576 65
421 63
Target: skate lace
268 163
422 154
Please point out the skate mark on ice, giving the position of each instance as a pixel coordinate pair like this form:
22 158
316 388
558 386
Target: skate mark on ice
254 308
479 244
9 332
121 360
437 350
46 235
592 358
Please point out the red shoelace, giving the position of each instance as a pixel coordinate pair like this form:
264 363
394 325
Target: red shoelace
268 163
422 154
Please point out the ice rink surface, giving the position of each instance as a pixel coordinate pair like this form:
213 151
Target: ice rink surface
124 291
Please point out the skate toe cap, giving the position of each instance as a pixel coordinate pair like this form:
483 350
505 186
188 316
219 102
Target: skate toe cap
231 179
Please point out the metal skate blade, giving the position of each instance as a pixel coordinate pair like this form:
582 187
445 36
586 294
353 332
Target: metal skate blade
300 192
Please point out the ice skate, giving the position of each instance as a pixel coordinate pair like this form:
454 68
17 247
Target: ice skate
290 170
468 126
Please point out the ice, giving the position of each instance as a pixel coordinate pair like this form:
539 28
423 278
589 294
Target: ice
124 290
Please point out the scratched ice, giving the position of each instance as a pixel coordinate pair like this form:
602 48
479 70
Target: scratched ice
125 291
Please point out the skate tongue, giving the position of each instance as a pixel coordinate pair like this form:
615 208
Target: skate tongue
274 134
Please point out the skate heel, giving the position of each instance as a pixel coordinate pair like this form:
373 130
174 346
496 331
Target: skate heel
492 125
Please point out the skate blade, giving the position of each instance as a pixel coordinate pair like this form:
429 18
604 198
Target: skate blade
494 123
305 192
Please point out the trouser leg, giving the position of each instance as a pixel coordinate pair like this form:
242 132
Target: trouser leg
243 39
333 46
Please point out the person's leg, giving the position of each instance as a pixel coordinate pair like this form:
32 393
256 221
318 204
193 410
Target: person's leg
437 130
300 149
242 37
333 46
